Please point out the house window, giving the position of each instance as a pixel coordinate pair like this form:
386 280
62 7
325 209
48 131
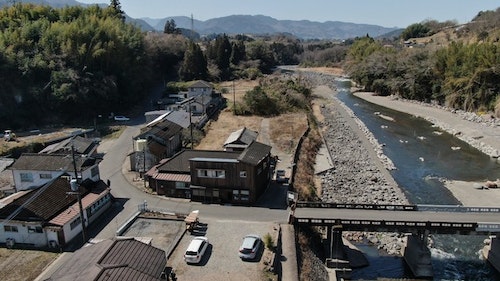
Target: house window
35 229
26 177
45 176
10 228
243 174
181 185
75 223
241 195
244 195
203 173
220 174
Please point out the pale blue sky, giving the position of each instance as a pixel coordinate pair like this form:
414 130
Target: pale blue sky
387 13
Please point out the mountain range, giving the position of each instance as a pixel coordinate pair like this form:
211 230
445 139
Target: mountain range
247 24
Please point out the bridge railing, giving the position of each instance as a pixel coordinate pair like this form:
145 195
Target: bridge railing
388 207
457 208
404 226
304 204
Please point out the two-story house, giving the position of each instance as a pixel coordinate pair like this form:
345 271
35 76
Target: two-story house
215 176
156 141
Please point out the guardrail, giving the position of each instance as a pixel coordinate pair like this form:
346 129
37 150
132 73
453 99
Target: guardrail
387 207
458 209
403 226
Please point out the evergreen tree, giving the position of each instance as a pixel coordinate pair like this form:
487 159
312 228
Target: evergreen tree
171 27
116 8
194 65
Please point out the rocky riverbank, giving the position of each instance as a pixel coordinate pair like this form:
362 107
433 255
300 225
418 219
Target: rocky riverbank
359 172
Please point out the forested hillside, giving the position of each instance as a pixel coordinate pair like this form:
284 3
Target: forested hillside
67 65
461 70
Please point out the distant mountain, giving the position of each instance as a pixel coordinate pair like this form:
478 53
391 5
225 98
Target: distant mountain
245 24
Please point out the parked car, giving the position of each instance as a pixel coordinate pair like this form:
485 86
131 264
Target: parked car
121 118
196 249
250 247
281 176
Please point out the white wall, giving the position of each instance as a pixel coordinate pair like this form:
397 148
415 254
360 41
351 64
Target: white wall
37 181
23 234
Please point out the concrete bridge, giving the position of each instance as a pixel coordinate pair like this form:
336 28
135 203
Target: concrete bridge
417 220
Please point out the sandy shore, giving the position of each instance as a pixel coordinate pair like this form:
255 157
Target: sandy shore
484 137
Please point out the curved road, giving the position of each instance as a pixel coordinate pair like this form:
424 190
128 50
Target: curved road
129 197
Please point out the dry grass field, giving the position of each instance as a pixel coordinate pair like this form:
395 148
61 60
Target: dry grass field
284 130
26 265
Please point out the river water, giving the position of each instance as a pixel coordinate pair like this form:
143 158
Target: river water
423 155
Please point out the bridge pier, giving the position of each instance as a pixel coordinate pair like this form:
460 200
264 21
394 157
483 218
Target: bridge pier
492 252
334 240
417 255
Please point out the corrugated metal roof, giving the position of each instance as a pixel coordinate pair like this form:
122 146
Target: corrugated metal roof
241 136
173 177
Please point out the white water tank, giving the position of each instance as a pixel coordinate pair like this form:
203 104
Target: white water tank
140 145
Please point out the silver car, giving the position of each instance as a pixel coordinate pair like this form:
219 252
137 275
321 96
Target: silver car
250 247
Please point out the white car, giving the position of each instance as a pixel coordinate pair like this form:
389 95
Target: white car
250 247
121 118
196 249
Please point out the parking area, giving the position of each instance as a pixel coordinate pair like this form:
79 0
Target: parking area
221 261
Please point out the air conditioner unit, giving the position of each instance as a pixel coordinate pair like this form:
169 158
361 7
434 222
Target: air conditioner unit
10 242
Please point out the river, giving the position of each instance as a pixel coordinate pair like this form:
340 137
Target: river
423 156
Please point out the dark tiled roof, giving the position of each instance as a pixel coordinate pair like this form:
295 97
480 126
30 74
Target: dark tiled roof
42 203
114 260
163 130
255 153
51 162
81 145
200 84
180 161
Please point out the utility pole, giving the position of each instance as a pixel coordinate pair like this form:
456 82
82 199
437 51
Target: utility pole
144 164
234 100
75 188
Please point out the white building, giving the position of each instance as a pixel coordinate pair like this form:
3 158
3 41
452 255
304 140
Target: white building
49 215
32 170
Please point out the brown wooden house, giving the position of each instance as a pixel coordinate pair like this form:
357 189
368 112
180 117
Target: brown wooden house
215 176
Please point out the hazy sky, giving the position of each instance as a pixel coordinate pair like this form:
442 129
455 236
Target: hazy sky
387 13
